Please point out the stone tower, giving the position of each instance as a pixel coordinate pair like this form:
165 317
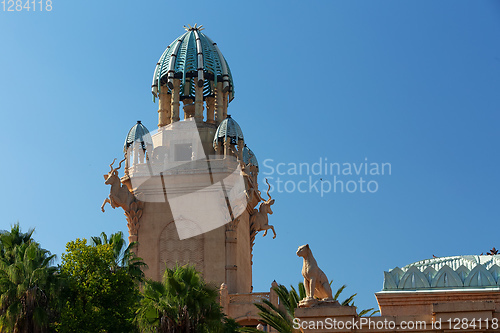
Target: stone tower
194 179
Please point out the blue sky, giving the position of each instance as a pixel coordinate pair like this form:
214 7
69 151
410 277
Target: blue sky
410 83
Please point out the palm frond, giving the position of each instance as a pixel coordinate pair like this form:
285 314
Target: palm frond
339 291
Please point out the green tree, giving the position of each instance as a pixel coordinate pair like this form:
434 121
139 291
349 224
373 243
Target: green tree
10 239
99 297
281 317
181 302
124 256
27 283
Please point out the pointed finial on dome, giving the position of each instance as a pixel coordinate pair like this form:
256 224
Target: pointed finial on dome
195 27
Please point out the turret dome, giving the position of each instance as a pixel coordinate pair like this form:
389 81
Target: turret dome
140 134
228 128
249 156
197 61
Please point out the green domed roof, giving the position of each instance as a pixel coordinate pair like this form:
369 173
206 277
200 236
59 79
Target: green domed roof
196 60
228 128
138 133
458 272
249 156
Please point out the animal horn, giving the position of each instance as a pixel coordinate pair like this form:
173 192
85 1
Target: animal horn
111 165
269 187
120 165
258 195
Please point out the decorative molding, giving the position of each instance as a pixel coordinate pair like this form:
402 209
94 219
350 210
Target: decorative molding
174 251
444 273
250 298
413 279
446 277
133 216
479 277
233 225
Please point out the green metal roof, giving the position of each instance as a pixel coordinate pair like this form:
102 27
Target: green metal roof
138 133
228 128
458 272
196 60
249 156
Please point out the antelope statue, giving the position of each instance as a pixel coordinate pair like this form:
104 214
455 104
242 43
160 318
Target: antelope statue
259 219
119 195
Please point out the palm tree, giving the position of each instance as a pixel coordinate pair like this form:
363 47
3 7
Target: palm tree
182 302
281 317
27 283
123 254
10 239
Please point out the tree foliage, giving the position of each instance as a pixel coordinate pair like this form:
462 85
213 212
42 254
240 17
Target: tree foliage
27 283
181 302
99 296
124 257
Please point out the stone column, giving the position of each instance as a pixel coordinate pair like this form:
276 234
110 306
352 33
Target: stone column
175 101
131 239
188 108
231 261
187 87
224 298
227 146
273 297
164 107
198 104
142 155
240 149
136 153
127 160
216 148
219 103
225 104
210 110
219 148
231 247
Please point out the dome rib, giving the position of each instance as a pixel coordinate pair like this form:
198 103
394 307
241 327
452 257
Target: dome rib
199 52
165 66
225 68
173 59
185 61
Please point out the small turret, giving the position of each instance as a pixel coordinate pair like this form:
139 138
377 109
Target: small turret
138 145
249 157
227 137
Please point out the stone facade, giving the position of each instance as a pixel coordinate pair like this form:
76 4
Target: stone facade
446 294
194 181
436 312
